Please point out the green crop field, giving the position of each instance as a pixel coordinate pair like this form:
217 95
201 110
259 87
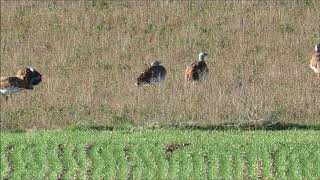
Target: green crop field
143 154
90 53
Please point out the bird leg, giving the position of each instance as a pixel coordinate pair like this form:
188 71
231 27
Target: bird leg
6 97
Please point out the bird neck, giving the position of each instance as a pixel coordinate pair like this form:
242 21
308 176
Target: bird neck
201 58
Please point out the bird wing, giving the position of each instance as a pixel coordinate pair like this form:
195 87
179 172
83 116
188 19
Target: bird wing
4 82
163 70
315 60
202 67
145 76
158 71
7 82
189 72
151 74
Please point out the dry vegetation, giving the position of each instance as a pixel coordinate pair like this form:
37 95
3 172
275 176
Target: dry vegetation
90 53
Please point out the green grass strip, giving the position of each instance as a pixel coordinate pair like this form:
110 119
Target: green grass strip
238 164
314 157
55 166
161 171
251 159
30 165
98 162
293 165
224 164
122 164
38 160
305 163
89 160
185 165
144 154
198 164
132 155
69 164
266 163
136 161
109 161
19 161
173 159
280 161
213 163
80 157
43 158
4 166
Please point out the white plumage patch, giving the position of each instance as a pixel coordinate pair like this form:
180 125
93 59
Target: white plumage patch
31 69
156 80
9 90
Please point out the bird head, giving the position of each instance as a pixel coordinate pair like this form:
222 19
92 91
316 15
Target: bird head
140 80
202 56
155 63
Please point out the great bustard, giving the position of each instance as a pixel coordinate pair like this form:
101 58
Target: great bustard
197 71
315 60
153 75
25 78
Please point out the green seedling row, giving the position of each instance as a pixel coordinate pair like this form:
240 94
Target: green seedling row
144 155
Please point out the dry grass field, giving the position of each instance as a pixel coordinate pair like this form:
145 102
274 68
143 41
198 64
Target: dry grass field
90 53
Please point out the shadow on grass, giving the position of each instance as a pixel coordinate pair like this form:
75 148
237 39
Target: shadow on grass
267 126
91 127
12 130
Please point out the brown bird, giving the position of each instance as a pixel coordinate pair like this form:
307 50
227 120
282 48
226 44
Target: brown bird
172 147
153 75
315 60
197 71
35 77
26 78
